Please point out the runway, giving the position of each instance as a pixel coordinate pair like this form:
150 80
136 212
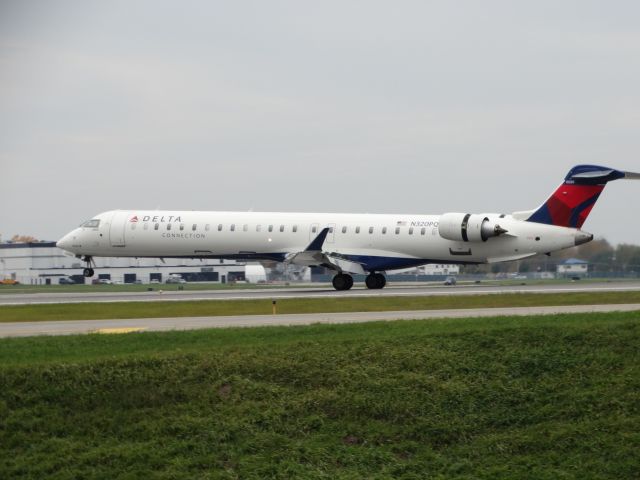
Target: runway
24 329
310 292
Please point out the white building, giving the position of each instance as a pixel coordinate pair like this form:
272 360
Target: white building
43 263
573 267
430 269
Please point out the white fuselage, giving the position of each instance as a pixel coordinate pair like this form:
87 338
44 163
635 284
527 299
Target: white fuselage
377 242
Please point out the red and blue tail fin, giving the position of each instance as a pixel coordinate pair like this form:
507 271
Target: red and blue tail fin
572 202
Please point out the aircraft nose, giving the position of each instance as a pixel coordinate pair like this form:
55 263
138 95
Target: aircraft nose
64 243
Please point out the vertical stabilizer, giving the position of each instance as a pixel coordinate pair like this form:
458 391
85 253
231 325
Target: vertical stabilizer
571 203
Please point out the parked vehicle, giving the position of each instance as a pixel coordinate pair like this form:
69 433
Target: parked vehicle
66 281
176 280
450 281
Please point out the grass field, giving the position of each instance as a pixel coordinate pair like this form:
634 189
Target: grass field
89 311
528 398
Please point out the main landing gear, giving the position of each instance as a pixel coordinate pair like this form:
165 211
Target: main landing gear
344 281
88 271
375 281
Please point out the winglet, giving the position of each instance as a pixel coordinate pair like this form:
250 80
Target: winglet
316 244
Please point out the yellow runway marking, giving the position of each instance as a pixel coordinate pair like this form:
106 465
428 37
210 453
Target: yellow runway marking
120 330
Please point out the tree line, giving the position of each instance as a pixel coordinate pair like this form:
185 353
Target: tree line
603 258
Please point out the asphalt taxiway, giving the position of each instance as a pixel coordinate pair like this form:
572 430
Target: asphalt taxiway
24 329
159 294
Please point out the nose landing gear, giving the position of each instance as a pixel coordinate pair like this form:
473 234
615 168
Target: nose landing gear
88 271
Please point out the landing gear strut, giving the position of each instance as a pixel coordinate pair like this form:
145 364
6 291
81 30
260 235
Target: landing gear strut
342 281
375 281
88 271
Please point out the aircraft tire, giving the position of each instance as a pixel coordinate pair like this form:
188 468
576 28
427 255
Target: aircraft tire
349 281
375 281
342 281
88 272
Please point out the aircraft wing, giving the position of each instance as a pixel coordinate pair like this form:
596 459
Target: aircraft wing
313 255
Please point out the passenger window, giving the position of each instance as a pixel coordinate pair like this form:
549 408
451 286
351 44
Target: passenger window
410 230
207 227
314 229
397 230
384 230
271 228
156 226
193 227
370 229
182 226
344 229
233 227
357 229
168 226
423 231
282 228
295 228
219 227
245 228
331 230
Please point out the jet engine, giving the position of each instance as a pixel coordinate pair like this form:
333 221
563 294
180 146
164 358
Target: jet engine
467 227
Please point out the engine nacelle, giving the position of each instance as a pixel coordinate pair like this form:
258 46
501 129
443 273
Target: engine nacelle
467 227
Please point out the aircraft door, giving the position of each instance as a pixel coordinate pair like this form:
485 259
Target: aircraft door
117 229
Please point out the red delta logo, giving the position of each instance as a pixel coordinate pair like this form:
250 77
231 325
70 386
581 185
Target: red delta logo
134 219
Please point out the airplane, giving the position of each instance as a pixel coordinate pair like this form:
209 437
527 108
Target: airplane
366 244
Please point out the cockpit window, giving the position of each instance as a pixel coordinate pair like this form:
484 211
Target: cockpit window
91 224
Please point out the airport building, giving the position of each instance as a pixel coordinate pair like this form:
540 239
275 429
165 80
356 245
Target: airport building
42 263
573 267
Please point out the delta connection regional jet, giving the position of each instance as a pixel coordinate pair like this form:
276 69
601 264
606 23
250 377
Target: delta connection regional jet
349 243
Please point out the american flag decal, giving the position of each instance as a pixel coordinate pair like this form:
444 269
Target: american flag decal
134 219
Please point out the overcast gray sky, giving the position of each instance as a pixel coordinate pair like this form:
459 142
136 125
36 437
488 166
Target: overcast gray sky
343 106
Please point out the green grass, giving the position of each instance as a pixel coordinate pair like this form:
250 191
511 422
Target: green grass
529 398
89 311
